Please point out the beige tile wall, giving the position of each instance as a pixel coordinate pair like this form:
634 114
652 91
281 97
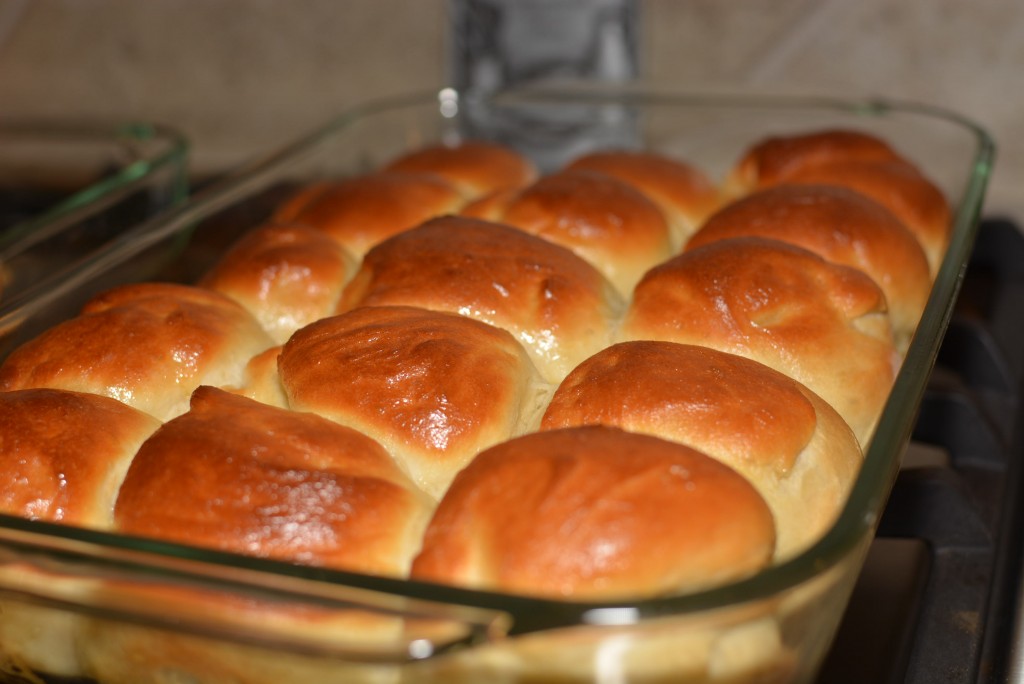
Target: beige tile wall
242 76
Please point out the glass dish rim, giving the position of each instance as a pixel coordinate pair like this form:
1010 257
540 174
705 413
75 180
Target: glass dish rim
173 150
856 522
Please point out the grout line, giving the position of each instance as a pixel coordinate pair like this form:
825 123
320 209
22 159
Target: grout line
784 46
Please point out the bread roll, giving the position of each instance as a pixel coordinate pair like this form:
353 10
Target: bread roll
775 159
236 475
475 167
148 345
823 324
900 188
285 276
556 304
856 160
595 512
841 226
64 455
434 388
605 221
361 211
685 195
792 446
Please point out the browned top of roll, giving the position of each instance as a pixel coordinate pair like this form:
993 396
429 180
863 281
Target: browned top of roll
148 345
776 158
684 193
791 445
602 219
475 167
64 454
557 305
434 388
901 189
595 512
840 225
236 475
361 211
822 324
285 276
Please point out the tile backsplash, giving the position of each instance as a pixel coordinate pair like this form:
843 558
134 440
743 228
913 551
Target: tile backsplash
240 77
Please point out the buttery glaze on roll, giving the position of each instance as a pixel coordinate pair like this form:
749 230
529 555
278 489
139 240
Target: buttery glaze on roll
595 512
64 454
792 446
685 195
148 345
776 158
285 276
605 221
823 324
841 226
856 160
475 167
236 475
434 388
899 187
557 305
361 211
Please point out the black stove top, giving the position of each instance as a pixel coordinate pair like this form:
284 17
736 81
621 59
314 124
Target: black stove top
937 600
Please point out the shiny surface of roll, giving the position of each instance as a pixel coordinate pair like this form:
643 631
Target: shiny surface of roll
64 454
361 211
792 446
857 160
775 158
285 276
434 388
475 167
605 221
558 306
841 226
595 512
148 345
236 475
901 189
685 195
823 324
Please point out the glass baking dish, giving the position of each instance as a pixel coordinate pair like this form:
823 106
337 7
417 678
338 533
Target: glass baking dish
67 189
79 601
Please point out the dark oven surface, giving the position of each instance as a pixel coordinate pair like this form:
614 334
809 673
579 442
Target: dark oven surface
937 600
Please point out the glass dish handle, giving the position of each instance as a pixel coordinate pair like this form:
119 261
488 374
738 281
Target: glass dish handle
242 603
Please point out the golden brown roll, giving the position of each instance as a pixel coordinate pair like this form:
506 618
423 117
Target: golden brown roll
434 388
823 324
685 195
900 188
65 454
595 512
361 211
841 226
556 304
285 276
602 219
856 160
774 159
148 345
475 167
791 445
236 475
